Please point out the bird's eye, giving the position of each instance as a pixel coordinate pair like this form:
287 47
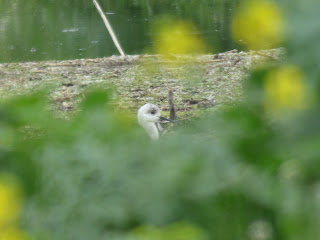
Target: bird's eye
153 112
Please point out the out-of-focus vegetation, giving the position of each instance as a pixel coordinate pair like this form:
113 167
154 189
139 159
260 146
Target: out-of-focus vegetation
243 172
258 24
176 37
10 206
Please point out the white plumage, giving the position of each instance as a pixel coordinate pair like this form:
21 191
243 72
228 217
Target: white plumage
148 117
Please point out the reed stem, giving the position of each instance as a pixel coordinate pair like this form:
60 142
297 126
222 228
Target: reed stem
106 22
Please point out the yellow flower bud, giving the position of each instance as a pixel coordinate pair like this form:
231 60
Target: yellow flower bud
176 38
10 201
258 25
285 89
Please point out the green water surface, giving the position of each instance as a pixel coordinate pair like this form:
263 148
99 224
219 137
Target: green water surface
34 30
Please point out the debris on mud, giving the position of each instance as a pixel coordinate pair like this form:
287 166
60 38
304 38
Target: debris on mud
197 82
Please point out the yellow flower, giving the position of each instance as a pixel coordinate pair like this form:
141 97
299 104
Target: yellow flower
258 25
175 231
285 89
176 38
12 233
10 201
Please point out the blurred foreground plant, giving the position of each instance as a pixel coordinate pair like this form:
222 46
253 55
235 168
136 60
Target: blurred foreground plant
99 176
258 25
174 38
10 206
285 89
176 231
231 174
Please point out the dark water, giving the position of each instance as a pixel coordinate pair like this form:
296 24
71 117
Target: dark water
69 29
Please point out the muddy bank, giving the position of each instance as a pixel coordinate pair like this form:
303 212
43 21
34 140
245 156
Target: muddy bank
200 82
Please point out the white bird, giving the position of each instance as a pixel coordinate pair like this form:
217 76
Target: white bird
148 117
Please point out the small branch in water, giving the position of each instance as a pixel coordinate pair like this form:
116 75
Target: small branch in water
173 115
106 22
266 55
232 51
177 61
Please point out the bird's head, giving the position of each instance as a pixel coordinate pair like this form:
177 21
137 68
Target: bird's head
148 113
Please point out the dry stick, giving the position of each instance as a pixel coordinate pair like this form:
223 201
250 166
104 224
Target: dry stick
177 61
106 22
173 115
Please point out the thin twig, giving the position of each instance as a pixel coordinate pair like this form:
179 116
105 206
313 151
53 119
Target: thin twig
173 115
180 61
266 55
106 22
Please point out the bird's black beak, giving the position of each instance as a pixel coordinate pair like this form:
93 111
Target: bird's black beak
165 119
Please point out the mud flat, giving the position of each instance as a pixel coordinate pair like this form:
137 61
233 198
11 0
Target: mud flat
198 82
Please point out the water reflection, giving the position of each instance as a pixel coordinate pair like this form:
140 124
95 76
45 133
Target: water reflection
48 29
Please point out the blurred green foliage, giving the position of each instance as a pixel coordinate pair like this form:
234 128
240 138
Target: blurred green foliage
236 173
